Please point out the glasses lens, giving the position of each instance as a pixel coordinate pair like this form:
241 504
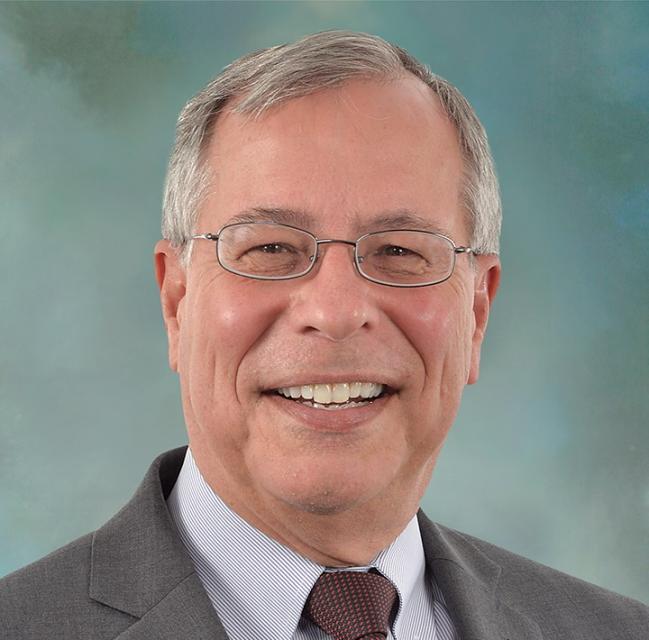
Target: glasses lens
265 250
406 257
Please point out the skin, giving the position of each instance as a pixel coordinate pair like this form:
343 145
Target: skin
344 158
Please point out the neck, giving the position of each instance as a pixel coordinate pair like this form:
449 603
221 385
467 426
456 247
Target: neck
352 536
335 540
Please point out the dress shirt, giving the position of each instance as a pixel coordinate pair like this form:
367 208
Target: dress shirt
258 586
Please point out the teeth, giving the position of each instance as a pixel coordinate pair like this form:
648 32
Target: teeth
367 389
340 392
322 393
337 393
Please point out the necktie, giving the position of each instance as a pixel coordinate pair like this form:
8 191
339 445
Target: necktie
352 605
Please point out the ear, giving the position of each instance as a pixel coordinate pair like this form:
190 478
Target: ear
171 278
486 286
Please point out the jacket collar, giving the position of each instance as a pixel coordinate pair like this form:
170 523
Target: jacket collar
140 566
469 581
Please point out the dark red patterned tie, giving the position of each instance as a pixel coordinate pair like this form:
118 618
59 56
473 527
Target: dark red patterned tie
352 605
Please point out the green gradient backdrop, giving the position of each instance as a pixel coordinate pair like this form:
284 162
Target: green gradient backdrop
549 456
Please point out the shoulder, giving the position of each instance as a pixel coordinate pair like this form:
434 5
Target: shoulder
99 585
52 593
555 600
524 576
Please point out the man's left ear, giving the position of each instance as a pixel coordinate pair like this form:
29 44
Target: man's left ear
486 285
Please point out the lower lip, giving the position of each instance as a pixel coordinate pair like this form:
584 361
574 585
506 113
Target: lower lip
332 420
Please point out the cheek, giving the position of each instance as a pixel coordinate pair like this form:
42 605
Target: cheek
439 327
223 322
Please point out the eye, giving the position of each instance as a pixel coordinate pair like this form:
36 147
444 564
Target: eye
395 251
273 248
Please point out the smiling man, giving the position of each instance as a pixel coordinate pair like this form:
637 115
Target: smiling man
330 258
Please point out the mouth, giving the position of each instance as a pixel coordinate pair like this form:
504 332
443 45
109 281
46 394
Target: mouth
334 396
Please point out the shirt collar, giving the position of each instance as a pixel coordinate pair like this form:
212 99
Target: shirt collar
403 563
249 576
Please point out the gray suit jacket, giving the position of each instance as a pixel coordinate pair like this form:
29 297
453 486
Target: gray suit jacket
133 580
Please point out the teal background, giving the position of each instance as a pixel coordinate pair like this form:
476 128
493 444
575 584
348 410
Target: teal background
549 456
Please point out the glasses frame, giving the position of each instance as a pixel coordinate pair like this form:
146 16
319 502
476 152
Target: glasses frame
214 237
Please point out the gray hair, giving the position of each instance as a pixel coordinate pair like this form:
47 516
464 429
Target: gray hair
271 76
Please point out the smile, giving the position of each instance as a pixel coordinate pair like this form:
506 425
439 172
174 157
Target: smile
338 395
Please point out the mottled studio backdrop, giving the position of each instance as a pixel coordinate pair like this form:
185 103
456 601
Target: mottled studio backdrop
550 453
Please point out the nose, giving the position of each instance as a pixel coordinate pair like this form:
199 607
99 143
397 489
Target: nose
334 301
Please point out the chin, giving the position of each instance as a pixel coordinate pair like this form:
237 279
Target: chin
323 504
323 508
328 496
325 482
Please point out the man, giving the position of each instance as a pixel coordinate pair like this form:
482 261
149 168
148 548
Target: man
331 227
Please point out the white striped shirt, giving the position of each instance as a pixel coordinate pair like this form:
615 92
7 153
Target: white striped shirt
258 586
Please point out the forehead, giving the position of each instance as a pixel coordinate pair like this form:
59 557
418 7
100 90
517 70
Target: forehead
363 153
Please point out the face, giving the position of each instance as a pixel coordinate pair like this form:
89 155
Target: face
362 157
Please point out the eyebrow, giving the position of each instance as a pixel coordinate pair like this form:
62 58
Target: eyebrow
401 219
398 219
279 215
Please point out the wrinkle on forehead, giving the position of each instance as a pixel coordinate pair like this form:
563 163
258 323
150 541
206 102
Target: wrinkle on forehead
382 221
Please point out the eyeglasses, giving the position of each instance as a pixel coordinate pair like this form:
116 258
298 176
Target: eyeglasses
395 258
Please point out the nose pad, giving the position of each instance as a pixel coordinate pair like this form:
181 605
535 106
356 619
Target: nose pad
323 246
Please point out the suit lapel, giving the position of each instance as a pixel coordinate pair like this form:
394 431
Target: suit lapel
140 566
469 580
185 613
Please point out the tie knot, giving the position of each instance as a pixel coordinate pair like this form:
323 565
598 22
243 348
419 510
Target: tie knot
352 605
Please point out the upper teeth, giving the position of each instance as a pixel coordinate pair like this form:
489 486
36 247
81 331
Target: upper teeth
338 392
